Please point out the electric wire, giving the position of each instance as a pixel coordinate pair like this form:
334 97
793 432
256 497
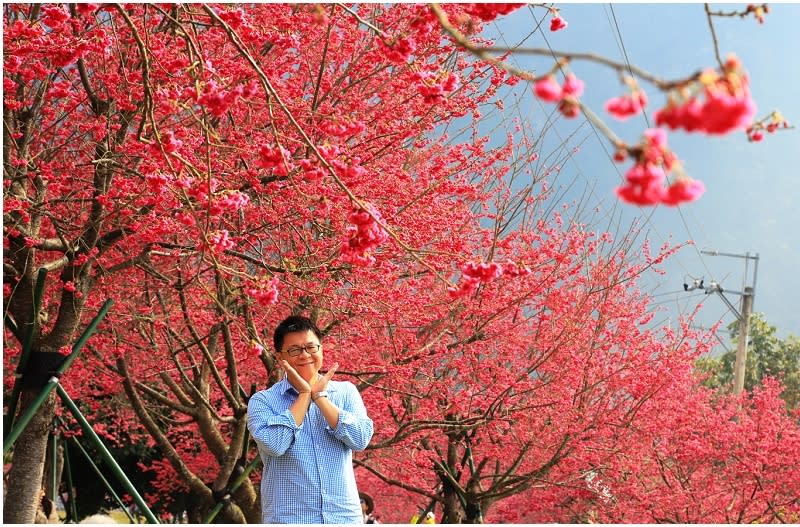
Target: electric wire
621 44
602 142
647 217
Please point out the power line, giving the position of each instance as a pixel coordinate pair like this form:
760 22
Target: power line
621 44
602 142
647 217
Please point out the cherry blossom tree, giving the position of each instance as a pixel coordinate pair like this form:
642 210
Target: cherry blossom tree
193 148
212 168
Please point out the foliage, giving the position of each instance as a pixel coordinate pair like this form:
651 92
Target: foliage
767 356
212 168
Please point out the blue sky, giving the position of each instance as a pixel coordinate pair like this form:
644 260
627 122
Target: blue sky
750 205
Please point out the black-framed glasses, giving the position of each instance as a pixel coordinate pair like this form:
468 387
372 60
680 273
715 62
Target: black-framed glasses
294 351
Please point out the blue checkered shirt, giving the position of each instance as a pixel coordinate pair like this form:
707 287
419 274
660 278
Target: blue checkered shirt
308 469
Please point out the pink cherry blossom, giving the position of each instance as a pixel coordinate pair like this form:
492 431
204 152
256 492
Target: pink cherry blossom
649 194
626 105
365 235
566 96
683 190
489 11
547 89
573 86
557 23
220 241
727 107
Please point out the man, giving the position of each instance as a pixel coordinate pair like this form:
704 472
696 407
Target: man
307 427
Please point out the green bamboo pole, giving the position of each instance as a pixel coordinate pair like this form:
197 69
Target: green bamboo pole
11 325
55 468
25 419
103 478
105 454
73 512
26 351
236 483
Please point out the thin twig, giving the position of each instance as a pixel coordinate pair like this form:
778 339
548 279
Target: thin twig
374 28
267 85
593 57
713 34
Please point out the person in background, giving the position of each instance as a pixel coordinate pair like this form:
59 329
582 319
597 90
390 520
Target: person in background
46 512
307 427
367 508
428 518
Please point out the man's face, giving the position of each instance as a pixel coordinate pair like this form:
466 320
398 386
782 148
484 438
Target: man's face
306 363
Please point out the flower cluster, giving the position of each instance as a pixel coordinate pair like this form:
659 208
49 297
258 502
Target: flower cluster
433 87
627 105
82 258
218 100
256 348
365 234
557 23
770 124
54 16
758 11
548 90
400 50
231 201
311 170
488 12
342 128
200 189
275 158
220 241
168 141
727 105
72 287
266 293
474 274
157 182
235 18
645 179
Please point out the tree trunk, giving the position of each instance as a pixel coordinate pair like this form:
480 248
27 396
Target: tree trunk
451 506
27 463
473 512
249 501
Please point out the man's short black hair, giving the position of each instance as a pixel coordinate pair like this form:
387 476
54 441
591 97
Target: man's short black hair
293 324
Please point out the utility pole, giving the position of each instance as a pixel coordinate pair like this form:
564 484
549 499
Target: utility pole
741 347
743 317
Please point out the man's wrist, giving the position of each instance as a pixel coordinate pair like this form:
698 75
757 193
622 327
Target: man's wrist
315 396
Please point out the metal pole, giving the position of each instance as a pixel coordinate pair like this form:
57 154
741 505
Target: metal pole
55 468
755 276
105 454
103 479
741 344
73 512
25 419
16 391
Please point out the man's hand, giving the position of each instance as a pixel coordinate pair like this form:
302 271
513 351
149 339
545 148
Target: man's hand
322 382
294 378
301 385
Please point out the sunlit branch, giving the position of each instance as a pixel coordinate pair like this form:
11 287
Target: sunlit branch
478 51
